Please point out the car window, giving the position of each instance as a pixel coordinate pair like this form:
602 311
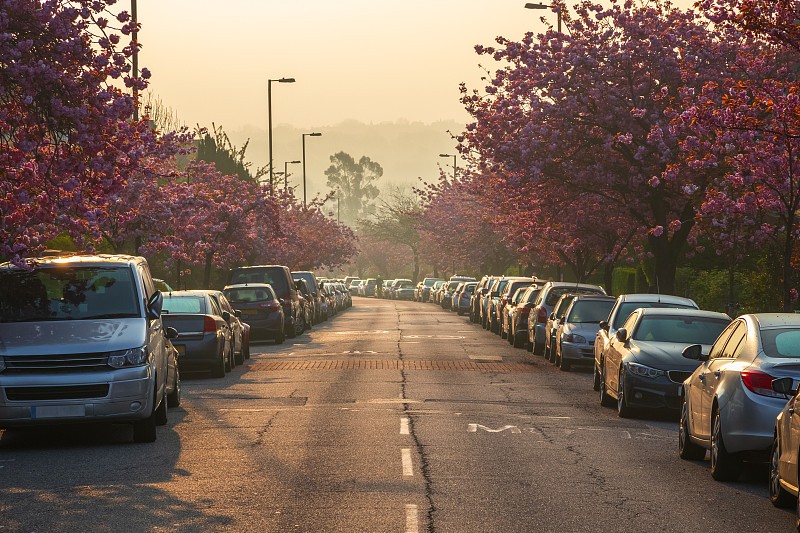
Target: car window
248 294
589 311
679 329
783 342
630 322
562 305
184 304
719 344
736 340
629 307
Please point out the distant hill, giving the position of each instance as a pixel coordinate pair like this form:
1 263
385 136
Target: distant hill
405 150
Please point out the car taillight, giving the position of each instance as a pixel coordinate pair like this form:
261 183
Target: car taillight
525 311
286 303
759 383
541 316
272 306
209 325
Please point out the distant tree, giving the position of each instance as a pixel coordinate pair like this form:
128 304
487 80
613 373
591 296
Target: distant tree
397 221
354 181
225 157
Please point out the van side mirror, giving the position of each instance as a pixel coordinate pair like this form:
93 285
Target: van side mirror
784 386
154 305
604 325
171 333
622 335
237 313
694 352
226 316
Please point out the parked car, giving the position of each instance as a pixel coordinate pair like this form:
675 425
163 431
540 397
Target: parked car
547 298
784 482
518 320
434 294
404 290
280 278
477 295
577 331
316 298
643 367
205 338
309 301
427 284
446 298
236 324
729 405
83 341
488 294
508 313
559 310
506 293
464 297
370 287
353 286
161 285
260 308
623 307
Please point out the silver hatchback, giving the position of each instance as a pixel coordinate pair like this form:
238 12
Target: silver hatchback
729 405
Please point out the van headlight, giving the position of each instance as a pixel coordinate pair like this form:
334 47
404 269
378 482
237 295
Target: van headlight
132 357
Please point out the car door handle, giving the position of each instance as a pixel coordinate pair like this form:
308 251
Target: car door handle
702 377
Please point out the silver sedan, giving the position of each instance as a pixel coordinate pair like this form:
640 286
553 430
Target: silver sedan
729 405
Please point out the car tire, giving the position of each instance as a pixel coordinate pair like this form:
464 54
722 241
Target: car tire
596 378
174 397
161 412
145 430
686 448
724 466
517 341
239 359
280 336
228 361
623 410
291 333
605 399
779 496
562 365
218 370
246 349
299 325
538 349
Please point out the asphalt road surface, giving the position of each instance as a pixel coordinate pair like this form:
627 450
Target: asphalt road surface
391 417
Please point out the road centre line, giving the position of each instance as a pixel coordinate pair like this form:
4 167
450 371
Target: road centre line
412 518
408 469
404 426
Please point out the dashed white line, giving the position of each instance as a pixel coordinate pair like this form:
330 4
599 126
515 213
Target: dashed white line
412 519
408 469
404 426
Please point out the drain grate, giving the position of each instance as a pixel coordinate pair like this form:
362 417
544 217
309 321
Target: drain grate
396 364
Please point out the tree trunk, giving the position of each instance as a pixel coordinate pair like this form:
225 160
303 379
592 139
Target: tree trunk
207 270
608 278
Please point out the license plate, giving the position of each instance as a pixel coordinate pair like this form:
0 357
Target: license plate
181 348
57 411
249 311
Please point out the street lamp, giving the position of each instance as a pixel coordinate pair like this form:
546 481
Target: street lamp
286 174
315 134
269 113
454 162
544 6
135 59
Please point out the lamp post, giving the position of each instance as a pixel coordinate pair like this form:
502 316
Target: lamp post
454 162
315 134
544 6
286 174
135 60
269 128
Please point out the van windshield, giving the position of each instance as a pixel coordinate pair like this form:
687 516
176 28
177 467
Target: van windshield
67 293
271 275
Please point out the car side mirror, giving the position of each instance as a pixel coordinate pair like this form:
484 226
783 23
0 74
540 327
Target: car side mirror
226 316
237 313
784 386
171 333
694 352
622 335
552 316
562 318
154 305
604 325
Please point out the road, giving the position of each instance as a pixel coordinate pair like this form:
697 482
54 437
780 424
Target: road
391 417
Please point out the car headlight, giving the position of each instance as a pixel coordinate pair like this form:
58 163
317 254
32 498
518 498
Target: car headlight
573 337
132 357
644 371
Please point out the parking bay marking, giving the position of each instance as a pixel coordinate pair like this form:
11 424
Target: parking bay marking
412 519
404 426
408 469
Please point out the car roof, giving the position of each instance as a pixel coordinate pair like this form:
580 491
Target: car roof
584 296
82 259
776 320
666 311
649 298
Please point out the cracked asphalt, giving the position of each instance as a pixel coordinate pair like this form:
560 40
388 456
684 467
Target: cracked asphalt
310 449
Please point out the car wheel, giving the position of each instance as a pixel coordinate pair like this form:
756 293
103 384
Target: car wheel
623 411
145 430
777 494
517 341
605 399
279 336
564 366
686 448
161 413
239 359
538 349
246 349
228 361
218 371
290 330
724 466
299 325
174 397
596 378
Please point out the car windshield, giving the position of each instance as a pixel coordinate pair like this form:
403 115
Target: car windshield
249 294
681 330
430 282
590 311
627 308
67 293
184 304
269 275
783 342
558 292
532 294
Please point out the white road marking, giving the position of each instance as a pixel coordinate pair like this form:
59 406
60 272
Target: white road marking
404 426
408 469
443 337
485 357
412 518
391 400
473 428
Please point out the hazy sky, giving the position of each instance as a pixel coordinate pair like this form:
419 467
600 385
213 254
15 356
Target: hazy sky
369 60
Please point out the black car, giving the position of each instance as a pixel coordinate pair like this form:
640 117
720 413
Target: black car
260 308
280 278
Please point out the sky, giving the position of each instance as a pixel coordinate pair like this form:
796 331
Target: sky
371 61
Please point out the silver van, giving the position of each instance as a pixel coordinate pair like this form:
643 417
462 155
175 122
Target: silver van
81 340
